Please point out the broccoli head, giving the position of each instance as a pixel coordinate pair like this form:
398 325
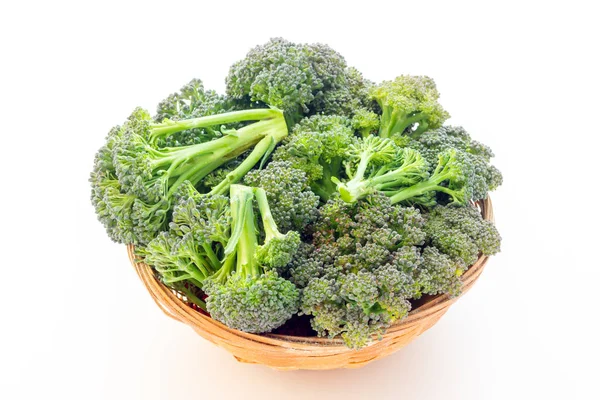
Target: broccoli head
462 233
317 145
483 176
409 105
300 79
293 204
359 271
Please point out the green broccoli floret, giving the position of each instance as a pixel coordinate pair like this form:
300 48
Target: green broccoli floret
293 204
300 79
375 163
246 294
349 97
365 122
317 146
278 248
190 251
409 105
133 180
438 273
192 101
483 178
450 177
359 271
462 233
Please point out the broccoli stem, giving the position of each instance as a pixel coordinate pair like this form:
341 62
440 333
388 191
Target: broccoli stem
393 122
269 224
273 134
169 127
242 215
431 184
217 152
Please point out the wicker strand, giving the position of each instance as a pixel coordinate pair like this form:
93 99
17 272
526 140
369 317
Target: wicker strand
291 352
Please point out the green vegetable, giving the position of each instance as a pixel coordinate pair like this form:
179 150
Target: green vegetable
134 179
247 294
409 105
300 79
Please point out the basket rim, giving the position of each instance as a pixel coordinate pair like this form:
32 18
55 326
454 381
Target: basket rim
183 312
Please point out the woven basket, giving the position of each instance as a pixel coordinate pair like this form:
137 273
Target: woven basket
293 352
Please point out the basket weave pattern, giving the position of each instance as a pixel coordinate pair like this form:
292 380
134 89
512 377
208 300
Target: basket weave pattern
292 352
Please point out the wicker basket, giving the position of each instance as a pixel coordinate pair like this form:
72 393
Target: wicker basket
292 352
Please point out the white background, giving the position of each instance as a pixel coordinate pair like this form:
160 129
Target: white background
521 76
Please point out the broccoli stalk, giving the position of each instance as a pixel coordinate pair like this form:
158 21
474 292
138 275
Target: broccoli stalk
406 168
449 169
245 294
278 248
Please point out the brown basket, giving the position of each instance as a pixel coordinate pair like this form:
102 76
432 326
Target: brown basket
293 352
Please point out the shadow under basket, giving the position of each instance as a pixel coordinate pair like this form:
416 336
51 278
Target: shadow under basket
294 352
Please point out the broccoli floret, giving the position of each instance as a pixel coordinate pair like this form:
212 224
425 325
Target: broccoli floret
375 163
190 251
246 294
359 271
349 97
300 79
483 177
409 105
293 204
462 233
278 248
450 177
133 180
317 146
438 273
365 122
192 101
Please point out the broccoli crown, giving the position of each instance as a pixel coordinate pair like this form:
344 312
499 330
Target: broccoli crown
365 122
292 203
350 96
483 177
317 145
247 293
193 101
358 273
300 79
439 273
461 233
252 304
409 105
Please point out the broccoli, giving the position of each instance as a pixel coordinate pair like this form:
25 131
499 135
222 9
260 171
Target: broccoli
192 101
483 177
278 248
293 204
450 177
300 79
190 251
317 145
134 180
375 163
409 105
247 293
461 233
358 273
